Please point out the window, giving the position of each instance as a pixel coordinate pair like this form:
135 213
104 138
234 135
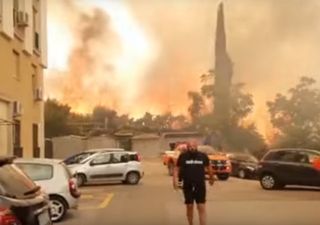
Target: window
36 25
15 12
271 156
284 156
101 159
16 60
37 171
34 78
19 20
78 158
17 134
1 12
35 141
308 157
119 157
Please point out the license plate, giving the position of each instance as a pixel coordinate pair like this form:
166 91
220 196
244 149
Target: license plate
44 218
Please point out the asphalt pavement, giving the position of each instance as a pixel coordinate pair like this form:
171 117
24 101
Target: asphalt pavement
232 202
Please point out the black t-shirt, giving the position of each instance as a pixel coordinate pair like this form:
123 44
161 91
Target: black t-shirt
192 166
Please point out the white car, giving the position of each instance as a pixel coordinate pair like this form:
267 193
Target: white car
108 166
55 179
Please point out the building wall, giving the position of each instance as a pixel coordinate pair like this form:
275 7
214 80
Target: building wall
148 148
4 128
64 147
165 142
101 142
21 86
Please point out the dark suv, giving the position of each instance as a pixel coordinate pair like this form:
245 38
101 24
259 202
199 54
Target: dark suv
281 167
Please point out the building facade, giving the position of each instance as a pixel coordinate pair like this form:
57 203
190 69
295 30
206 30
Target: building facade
23 57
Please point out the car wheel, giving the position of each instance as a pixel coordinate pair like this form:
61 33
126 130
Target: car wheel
270 182
223 176
81 179
242 174
58 208
133 178
170 168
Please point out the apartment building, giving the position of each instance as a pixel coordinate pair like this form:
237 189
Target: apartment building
23 57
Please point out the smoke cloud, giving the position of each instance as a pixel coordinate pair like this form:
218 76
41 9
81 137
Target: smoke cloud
272 43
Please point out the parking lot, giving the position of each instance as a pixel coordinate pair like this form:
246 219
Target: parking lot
154 201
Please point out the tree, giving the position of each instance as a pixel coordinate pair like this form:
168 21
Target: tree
56 118
296 116
241 103
108 118
232 135
196 105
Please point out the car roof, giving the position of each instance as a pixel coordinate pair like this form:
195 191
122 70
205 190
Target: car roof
105 150
38 161
111 150
294 149
239 154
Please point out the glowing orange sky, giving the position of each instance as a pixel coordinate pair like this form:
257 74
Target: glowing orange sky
148 54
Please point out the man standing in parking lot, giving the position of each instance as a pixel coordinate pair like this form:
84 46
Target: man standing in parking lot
191 167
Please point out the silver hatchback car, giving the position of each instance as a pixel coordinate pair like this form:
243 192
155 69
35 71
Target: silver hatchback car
108 166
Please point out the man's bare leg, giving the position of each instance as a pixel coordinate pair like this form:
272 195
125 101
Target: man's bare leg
190 213
202 213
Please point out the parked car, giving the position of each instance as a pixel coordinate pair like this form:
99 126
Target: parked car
77 158
106 166
56 180
244 165
220 162
281 167
21 201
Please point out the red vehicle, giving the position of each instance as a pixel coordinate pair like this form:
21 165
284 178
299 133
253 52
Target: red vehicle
220 162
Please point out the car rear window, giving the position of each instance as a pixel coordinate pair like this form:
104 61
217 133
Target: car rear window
37 172
133 157
14 183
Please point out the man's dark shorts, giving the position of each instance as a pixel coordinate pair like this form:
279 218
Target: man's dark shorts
194 192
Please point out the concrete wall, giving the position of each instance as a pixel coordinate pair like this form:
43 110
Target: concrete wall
148 148
165 142
101 142
64 147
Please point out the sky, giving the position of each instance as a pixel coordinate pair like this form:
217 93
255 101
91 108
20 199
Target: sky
145 55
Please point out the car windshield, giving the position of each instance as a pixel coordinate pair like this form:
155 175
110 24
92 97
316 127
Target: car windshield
15 184
78 158
246 158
